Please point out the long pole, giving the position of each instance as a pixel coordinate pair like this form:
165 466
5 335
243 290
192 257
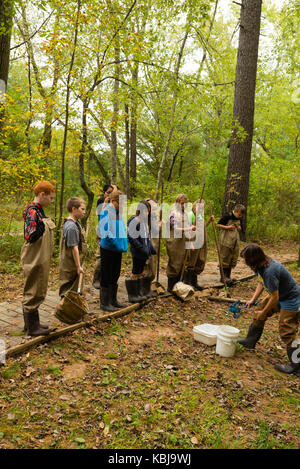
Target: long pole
218 250
160 230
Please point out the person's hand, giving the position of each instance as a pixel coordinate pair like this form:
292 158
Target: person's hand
239 228
249 304
260 315
193 227
231 227
79 270
211 219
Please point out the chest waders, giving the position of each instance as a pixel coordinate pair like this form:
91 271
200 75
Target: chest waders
230 248
68 275
175 245
36 261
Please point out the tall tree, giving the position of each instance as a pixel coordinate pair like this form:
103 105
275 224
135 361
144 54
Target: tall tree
239 161
6 15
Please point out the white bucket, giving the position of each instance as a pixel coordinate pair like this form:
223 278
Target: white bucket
206 333
226 341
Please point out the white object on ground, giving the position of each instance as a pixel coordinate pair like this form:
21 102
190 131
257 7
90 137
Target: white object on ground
226 341
206 333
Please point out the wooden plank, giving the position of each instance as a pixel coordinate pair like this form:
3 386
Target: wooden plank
68 329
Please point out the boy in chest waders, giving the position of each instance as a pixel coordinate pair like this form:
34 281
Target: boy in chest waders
230 226
36 257
72 247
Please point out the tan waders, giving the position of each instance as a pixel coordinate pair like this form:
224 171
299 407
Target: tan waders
229 248
35 260
176 253
67 269
196 264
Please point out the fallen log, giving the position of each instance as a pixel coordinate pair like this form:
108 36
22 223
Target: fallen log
225 300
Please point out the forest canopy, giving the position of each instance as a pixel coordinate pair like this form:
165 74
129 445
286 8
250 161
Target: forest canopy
140 92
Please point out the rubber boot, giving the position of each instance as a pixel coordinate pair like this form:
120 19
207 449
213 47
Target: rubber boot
294 366
42 326
194 283
105 300
253 336
171 283
187 277
227 273
96 279
114 301
32 324
145 289
133 291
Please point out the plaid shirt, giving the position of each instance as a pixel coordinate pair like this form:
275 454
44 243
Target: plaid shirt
34 227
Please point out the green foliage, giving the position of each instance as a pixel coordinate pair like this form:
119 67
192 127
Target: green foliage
192 104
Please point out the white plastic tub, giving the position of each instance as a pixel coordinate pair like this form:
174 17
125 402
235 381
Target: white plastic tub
206 333
227 337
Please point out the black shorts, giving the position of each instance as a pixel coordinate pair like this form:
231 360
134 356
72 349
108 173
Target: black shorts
138 265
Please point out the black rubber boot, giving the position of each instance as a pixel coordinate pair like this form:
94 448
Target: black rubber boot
105 300
227 273
96 279
145 287
171 283
32 325
194 282
187 277
294 366
133 290
42 326
114 301
253 336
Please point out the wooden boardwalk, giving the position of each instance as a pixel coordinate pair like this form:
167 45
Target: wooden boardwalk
11 317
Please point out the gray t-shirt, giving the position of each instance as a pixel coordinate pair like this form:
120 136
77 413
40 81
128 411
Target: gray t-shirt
71 232
277 277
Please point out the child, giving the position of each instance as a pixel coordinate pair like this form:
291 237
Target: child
113 243
198 257
107 189
230 226
284 297
180 232
141 248
72 247
36 257
151 264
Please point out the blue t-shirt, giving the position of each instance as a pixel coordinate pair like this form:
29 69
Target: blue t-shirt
277 277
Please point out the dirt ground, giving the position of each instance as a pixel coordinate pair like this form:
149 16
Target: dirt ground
142 381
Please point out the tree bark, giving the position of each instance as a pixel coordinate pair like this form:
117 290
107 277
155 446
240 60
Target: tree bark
6 15
127 150
238 171
82 153
133 125
64 145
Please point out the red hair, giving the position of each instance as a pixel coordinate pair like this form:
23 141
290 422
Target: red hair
43 186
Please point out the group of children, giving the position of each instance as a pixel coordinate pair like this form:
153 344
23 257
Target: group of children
142 235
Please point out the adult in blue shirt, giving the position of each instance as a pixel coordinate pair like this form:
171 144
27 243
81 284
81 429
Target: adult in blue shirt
283 297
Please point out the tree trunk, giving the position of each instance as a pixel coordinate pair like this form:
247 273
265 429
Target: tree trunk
6 15
82 152
64 145
238 171
133 125
127 147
